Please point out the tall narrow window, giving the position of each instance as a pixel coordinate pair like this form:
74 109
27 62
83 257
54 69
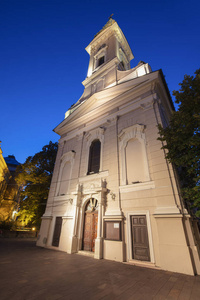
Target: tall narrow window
94 157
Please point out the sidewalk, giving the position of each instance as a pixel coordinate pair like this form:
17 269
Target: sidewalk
32 273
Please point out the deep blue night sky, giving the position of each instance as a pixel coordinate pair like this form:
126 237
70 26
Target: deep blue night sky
43 57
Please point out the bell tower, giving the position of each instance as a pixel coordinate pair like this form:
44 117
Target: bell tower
109 51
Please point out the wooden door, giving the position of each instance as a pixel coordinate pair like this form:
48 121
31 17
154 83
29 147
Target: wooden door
57 232
140 242
90 231
87 241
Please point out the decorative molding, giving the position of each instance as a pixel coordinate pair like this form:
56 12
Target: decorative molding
104 69
113 217
63 198
97 133
46 217
123 42
113 196
66 157
166 210
133 132
147 105
93 187
154 87
79 136
137 187
94 134
102 78
100 51
98 41
113 120
69 156
92 177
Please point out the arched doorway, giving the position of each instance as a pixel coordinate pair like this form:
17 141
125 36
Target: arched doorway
90 225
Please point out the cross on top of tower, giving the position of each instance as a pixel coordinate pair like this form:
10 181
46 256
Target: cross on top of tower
110 16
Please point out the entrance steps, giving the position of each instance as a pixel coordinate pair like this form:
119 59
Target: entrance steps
86 253
145 264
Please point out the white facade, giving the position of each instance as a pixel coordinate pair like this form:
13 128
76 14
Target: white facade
129 208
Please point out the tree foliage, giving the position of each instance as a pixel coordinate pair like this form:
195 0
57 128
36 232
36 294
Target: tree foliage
182 138
34 177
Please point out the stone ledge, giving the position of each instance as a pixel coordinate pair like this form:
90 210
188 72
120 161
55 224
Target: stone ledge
137 187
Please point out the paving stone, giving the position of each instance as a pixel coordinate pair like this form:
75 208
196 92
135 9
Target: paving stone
32 273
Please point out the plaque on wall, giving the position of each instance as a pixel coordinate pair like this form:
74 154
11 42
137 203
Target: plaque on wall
112 230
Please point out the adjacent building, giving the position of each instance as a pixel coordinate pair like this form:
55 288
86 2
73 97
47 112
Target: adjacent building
113 193
5 176
9 191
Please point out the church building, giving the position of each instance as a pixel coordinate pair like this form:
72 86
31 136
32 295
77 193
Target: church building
113 194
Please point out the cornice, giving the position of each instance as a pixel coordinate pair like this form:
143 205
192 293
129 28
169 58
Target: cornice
93 177
108 103
113 29
137 187
164 94
104 119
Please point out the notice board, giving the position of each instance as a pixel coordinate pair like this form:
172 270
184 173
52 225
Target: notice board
112 230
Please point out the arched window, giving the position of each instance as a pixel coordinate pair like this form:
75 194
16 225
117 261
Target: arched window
94 157
65 172
65 177
134 163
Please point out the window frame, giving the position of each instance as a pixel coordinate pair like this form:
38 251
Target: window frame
134 132
93 156
102 52
66 157
95 134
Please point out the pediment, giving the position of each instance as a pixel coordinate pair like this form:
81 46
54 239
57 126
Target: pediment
101 103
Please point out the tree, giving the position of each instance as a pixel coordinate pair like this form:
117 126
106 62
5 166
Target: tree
34 177
182 140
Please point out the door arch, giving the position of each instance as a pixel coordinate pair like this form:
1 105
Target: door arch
90 225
